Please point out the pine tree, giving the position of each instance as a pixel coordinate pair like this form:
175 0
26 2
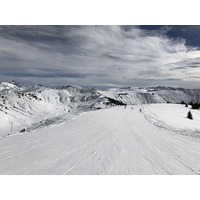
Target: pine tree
195 106
189 115
182 102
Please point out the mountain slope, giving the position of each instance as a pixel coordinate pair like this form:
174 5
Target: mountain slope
133 95
25 108
108 141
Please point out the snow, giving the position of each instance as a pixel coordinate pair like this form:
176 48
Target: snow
6 86
174 116
27 108
75 130
108 141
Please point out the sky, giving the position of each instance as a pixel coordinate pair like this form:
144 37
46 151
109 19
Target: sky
101 56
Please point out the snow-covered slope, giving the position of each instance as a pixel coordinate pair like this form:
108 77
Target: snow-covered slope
25 108
85 140
133 95
108 141
10 86
173 117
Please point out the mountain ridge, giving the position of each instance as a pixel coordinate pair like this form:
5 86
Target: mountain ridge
31 107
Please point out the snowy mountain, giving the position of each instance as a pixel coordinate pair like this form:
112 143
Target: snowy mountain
158 140
159 94
28 107
25 108
58 130
10 86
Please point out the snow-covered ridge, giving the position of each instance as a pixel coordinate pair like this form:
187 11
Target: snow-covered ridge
160 94
6 86
24 108
29 107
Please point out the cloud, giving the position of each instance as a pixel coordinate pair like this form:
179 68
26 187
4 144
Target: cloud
96 56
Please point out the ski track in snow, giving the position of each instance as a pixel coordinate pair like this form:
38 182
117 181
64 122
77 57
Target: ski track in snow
154 119
107 141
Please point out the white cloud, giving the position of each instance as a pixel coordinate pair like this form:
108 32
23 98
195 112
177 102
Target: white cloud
105 55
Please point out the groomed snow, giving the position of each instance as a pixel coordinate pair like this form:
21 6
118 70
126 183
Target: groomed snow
173 116
107 141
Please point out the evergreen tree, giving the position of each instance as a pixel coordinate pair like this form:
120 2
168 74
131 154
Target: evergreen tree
189 115
182 102
195 106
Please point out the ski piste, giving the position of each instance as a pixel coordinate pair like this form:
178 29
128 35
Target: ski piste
75 130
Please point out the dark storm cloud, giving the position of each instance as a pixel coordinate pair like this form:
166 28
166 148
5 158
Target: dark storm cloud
101 56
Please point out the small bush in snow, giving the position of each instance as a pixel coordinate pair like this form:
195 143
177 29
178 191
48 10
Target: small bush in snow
189 115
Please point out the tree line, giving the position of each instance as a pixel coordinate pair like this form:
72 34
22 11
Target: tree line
193 105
